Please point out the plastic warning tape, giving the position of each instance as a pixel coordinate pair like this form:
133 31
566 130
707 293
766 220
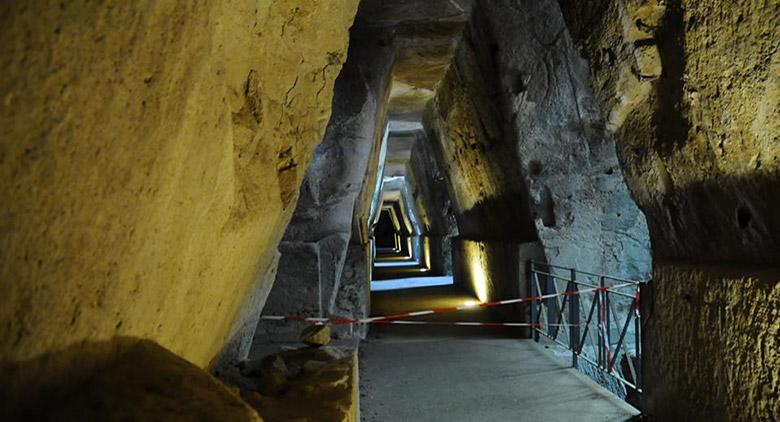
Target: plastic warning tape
377 319
475 324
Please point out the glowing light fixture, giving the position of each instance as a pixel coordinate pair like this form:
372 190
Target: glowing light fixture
470 303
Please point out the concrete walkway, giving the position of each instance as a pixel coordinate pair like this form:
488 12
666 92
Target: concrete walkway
459 375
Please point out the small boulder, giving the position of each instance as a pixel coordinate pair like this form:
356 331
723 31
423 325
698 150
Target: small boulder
293 370
250 368
329 353
313 366
316 335
273 373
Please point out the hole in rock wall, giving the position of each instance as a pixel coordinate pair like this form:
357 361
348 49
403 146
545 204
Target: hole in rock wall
743 217
547 208
518 84
535 168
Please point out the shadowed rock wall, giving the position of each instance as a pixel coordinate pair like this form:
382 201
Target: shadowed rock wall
568 159
432 202
691 90
489 200
470 143
152 154
318 238
526 150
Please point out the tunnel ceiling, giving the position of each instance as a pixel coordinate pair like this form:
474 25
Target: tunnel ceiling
424 55
427 32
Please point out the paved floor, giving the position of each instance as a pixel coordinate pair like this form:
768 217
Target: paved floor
459 374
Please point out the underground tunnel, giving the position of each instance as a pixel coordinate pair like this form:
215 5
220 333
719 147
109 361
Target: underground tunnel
390 210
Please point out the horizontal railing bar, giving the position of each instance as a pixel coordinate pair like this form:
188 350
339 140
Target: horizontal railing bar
610 277
580 283
615 292
552 275
614 286
588 273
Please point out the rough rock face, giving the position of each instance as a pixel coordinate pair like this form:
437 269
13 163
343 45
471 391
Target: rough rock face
328 216
239 343
691 90
353 297
568 159
698 132
526 150
168 387
715 342
488 196
426 35
432 201
578 192
485 267
423 57
323 386
429 187
152 157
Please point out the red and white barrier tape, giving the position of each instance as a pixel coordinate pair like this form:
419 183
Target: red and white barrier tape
476 324
379 319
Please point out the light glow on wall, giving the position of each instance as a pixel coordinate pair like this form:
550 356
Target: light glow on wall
479 280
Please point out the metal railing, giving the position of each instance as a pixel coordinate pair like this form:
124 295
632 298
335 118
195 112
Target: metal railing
602 314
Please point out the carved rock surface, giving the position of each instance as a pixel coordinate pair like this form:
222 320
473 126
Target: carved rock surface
700 148
141 381
525 146
152 153
700 145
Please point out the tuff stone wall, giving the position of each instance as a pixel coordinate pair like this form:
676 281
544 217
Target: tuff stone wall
166 388
332 210
525 148
152 154
469 142
713 341
432 202
568 160
691 90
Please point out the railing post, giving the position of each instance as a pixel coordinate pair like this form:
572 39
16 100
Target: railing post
599 297
574 318
607 327
552 302
533 293
638 336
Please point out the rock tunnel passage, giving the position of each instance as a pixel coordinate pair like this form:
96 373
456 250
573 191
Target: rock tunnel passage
174 173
